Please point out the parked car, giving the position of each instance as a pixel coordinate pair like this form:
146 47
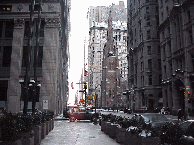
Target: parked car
188 128
82 114
66 113
156 119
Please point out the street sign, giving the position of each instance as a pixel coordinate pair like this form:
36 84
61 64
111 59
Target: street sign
187 88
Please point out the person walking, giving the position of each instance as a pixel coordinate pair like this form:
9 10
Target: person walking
179 115
162 111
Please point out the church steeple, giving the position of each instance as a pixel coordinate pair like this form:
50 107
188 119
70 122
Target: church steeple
110 39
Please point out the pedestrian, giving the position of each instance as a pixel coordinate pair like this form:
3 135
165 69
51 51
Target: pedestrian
179 114
162 111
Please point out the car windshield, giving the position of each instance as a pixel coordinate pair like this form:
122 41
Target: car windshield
185 125
154 117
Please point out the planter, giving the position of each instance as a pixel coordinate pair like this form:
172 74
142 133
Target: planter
120 135
107 125
112 130
17 142
103 125
150 140
37 135
47 127
50 125
43 130
53 123
28 141
132 138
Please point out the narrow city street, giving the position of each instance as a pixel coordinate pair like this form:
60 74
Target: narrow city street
77 133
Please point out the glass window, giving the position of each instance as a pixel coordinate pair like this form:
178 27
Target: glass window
7 56
149 50
9 29
1 29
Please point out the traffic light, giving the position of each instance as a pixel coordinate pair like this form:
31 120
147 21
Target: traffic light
185 94
188 93
85 85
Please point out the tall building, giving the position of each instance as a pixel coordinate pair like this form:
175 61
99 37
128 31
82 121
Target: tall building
160 55
177 54
100 13
144 59
52 64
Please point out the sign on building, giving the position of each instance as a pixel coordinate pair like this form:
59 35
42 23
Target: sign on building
45 104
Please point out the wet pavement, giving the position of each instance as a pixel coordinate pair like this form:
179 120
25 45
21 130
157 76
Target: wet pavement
77 133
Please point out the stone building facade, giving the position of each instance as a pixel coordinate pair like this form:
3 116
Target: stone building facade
176 26
52 57
145 91
160 50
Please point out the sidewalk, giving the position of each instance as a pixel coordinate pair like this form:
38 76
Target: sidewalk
77 133
175 118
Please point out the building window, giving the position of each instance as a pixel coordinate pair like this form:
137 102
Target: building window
164 53
162 17
143 99
9 29
159 51
163 35
148 21
40 56
160 79
149 64
159 64
149 50
24 58
188 15
165 69
148 34
27 29
36 7
6 56
167 10
1 29
147 10
42 28
142 67
161 2
150 79
190 37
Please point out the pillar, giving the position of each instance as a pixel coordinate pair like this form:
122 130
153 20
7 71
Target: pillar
50 63
14 87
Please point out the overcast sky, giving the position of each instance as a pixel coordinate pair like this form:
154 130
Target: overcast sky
80 32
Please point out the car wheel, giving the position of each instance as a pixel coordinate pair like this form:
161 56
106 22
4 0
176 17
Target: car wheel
92 119
72 119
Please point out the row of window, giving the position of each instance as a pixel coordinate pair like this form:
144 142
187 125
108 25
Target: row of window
150 80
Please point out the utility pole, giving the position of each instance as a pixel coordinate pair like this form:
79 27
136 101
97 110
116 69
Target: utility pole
26 78
36 49
85 84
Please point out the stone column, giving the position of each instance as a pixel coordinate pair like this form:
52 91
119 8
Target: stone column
14 87
50 63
